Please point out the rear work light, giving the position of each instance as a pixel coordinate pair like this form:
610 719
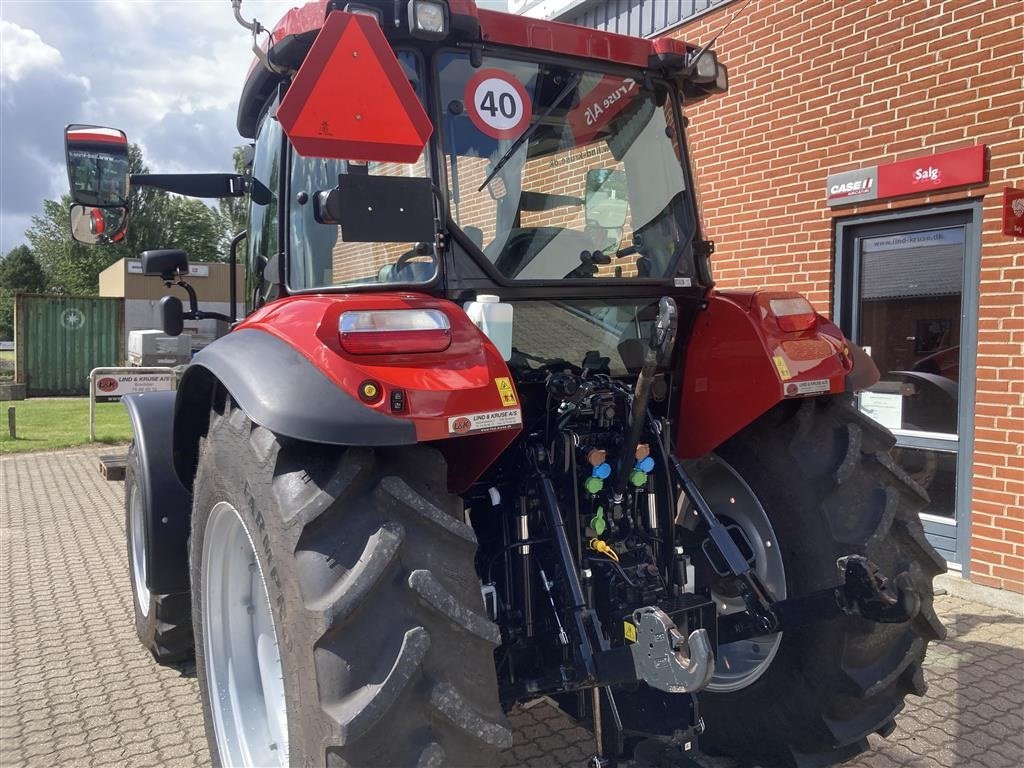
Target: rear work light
428 19
394 331
792 313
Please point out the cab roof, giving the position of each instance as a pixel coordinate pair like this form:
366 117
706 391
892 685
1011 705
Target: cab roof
294 34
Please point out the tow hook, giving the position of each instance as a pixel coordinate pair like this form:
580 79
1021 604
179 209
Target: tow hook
659 653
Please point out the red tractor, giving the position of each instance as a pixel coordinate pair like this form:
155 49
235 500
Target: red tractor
487 432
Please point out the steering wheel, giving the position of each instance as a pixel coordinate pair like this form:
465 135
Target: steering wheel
405 262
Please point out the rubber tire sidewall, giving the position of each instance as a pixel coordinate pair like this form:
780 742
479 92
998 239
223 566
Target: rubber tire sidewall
231 478
165 612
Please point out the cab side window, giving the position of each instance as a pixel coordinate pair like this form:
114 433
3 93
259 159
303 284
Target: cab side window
262 274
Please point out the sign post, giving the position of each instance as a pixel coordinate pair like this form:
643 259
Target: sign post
109 385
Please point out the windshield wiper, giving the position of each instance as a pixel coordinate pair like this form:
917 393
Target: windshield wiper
525 135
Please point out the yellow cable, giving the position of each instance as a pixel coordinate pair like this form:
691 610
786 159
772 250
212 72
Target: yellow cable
602 548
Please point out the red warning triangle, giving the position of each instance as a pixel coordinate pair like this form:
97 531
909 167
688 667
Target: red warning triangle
351 99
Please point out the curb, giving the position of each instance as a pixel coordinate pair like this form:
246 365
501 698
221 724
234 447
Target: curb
1003 599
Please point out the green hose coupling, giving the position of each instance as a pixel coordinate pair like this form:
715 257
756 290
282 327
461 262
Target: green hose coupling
638 478
593 485
597 522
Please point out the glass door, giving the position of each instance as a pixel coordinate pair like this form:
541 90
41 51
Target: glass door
904 302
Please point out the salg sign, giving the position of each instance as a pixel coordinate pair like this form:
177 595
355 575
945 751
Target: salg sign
919 175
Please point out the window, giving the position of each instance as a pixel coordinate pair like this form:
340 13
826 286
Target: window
261 286
596 191
319 256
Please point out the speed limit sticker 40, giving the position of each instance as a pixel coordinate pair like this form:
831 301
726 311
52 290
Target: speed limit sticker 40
498 104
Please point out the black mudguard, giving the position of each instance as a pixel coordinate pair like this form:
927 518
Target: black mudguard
279 389
167 503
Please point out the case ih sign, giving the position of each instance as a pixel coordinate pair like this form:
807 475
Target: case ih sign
908 177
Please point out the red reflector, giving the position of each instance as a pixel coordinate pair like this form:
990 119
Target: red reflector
395 342
394 331
352 100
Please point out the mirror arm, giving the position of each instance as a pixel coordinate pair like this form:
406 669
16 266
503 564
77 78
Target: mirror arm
206 185
193 302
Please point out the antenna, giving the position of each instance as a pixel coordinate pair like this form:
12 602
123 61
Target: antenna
693 62
257 29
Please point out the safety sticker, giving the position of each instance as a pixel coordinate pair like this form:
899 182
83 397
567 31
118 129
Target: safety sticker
781 367
484 422
498 104
629 631
505 389
797 388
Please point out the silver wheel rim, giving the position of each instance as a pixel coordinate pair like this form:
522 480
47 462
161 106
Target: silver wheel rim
740 664
244 681
138 539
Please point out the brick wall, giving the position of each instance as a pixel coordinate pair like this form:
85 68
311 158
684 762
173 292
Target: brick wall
820 86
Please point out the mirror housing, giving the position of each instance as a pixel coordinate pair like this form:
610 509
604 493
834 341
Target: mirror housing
98 166
167 264
94 225
170 315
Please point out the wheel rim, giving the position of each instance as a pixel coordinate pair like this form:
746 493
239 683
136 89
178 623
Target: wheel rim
740 664
244 681
138 539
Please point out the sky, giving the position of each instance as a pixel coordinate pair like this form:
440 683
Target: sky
168 73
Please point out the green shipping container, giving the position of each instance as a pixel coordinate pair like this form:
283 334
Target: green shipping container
60 339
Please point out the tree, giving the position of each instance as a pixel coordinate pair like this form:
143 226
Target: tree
19 273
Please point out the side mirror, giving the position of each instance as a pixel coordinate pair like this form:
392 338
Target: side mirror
166 264
98 168
170 315
607 198
92 225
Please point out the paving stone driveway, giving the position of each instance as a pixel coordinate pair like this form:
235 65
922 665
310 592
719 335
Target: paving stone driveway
76 688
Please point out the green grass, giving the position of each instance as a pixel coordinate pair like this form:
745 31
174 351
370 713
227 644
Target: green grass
52 423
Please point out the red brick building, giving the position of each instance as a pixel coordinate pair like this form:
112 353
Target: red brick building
830 102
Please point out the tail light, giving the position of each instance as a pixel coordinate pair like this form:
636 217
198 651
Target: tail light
394 331
791 311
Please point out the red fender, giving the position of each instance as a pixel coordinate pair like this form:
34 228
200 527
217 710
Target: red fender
439 387
740 363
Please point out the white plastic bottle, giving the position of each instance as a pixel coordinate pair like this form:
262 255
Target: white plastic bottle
494 318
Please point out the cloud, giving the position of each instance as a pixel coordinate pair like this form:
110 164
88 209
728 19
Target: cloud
24 51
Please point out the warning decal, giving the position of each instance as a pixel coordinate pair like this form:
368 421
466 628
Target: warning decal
484 422
629 631
498 104
505 390
781 367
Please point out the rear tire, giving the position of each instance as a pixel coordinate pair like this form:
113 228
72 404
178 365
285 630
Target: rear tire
823 474
162 622
385 651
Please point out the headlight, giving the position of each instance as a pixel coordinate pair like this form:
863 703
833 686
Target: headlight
428 18
707 68
363 10
722 79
